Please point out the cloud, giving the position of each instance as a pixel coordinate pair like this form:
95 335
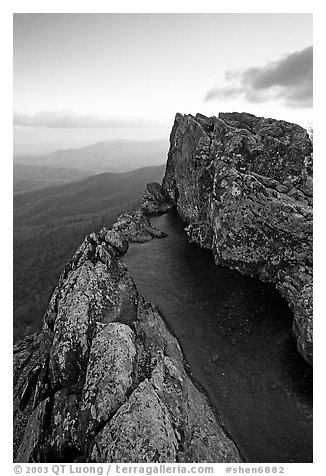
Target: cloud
289 79
68 119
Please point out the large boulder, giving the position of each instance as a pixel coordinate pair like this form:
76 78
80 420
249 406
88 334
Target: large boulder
243 185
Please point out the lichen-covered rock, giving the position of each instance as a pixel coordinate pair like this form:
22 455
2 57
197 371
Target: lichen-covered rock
141 431
109 374
200 436
297 283
107 380
243 185
115 239
85 298
136 227
155 201
178 424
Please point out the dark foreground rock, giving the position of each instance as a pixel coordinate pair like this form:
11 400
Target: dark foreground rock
26 368
243 185
106 381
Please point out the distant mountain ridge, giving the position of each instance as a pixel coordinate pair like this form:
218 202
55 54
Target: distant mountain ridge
34 177
109 156
92 195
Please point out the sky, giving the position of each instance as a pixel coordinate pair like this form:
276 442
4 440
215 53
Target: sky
84 78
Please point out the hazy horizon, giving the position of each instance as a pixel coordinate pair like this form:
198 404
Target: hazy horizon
80 79
47 148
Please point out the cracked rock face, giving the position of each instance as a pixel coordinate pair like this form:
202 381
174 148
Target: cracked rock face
136 227
243 185
105 381
26 368
155 201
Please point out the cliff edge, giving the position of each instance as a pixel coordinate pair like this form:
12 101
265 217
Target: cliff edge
243 185
106 381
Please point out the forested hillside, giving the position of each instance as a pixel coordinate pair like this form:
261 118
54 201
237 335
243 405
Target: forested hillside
35 177
50 223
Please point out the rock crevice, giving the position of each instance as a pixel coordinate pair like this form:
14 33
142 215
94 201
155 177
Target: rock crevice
107 378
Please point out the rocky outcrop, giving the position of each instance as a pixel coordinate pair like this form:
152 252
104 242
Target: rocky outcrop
154 200
106 381
26 368
243 185
136 227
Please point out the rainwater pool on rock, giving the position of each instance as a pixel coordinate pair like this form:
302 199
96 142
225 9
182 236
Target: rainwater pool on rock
235 333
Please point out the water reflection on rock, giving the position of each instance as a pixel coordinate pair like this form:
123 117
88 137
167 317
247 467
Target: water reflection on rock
236 336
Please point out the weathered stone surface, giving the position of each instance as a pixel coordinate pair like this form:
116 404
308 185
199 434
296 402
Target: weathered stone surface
200 436
109 374
140 432
107 382
243 185
26 367
87 296
136 227
115 239
297 283
155 201
63 442
179 426
31 447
